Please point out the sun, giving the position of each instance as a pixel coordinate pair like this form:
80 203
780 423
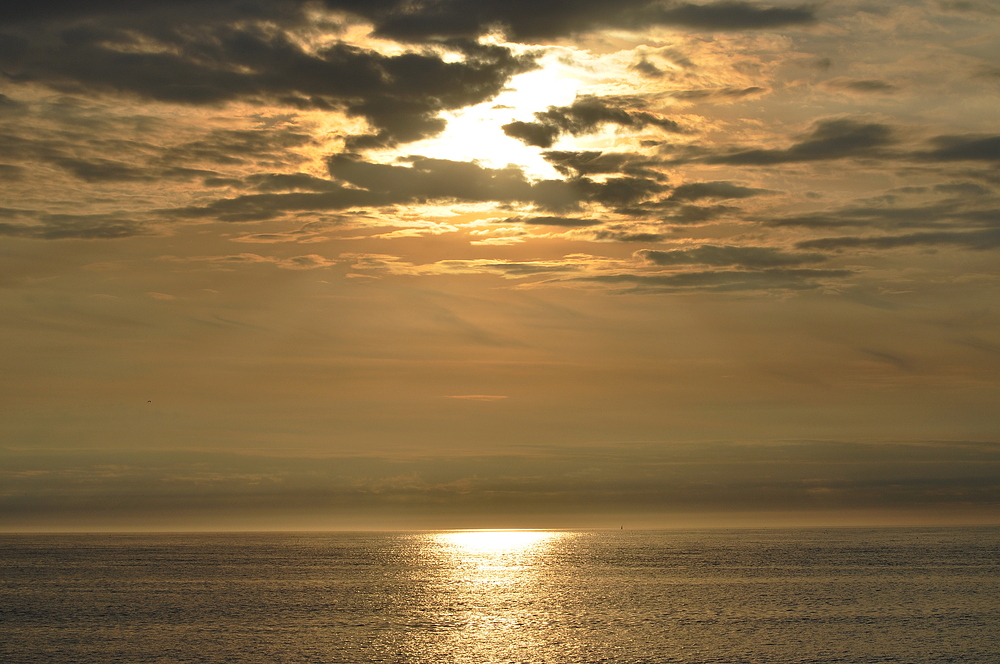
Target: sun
475 134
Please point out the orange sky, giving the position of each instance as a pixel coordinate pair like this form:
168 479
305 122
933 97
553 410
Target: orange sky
352 264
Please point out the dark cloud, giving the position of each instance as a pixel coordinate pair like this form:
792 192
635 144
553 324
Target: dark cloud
575 164
893 359
79 157
965 6
532 133
863 85
624 192
585 115
830 139
103 170
725 280
725 256
232 147
647 69
671 212
717 93
553 221
11 107
273 182
986 71
698 190
359 183
201 62
277 183
522 20
402 20
625 235
415 179
525 269
970 147
11 173
77 485
26 224
961 189
978 240
428 179
942 215
21 11
698 214
731 16
222 182
436 179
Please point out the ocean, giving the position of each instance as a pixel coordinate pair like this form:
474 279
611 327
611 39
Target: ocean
914 595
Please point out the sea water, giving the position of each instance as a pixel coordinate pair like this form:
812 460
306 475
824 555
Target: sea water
790 596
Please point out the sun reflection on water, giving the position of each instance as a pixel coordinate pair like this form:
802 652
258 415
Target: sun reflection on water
488 594
495 542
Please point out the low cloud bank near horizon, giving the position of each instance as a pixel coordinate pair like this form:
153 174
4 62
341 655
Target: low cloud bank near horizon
927 482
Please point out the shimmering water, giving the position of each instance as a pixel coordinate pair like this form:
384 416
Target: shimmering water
839 595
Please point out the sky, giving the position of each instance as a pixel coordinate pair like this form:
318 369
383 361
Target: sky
475 264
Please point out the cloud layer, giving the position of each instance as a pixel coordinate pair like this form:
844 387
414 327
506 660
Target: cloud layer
470 255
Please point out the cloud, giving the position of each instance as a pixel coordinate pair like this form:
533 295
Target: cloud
210 57
864 86
627 235
85 157
757 269
552 221
698 214
830 139
103 170
417 179
11 173
961 189
522 20
672 212
431 179
78 488
717 94
477 397
234 147
969 147
727 255
507 269
966 6
698 190
306 262
977 240
370 185
577 164
724 280
43 226
623 192
11 107
533 133
729 15
977 211
276 182
585 115
647 68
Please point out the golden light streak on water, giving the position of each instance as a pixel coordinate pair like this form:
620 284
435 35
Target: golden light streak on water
496 542
484 574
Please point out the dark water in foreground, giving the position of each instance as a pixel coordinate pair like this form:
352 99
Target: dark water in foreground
839 595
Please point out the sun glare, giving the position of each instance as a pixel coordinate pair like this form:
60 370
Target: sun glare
475 133
490 542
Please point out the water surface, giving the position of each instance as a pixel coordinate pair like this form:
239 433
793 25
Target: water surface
755 596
